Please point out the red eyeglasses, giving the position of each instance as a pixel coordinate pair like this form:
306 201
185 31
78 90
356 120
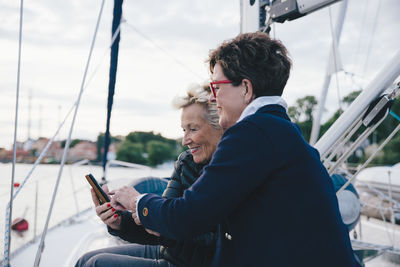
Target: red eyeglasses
214 90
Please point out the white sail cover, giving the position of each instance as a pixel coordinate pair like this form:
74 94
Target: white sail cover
381 175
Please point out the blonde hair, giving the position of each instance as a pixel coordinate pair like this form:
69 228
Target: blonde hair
197 94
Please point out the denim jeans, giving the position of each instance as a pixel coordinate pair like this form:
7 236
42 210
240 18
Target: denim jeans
125 255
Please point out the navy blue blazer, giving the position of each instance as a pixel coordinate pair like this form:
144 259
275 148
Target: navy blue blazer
269 193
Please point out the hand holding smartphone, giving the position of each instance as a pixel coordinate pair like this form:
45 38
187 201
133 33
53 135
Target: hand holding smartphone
101 195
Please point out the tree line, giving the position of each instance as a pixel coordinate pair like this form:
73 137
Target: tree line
152 149
302 114
145 148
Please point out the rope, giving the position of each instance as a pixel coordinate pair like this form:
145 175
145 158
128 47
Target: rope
370 158
384 219
394 115
103 57
357 54
379 194
177 61
378 206
7 234
372 37
39 159
41 245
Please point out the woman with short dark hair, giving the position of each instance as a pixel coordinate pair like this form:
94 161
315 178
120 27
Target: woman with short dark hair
265 185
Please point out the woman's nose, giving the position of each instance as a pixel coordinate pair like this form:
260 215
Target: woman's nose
185 140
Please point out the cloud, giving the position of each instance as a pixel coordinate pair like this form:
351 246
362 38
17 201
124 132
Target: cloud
309 38
57 37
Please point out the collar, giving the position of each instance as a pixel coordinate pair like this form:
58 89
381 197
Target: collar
260 102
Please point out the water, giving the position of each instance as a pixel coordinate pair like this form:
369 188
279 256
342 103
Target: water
67 203
42 183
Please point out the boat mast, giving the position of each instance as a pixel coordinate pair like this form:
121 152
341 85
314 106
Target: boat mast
331 69
117 13
389 73
249 16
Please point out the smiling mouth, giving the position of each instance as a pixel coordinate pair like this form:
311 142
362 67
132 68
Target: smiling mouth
194 149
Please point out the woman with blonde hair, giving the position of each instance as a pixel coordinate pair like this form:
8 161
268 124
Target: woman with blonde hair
202 133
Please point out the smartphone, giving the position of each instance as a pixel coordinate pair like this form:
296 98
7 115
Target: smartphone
101 195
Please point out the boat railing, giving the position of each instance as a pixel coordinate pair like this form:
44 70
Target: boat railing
343 147
75 193
123 164
356 124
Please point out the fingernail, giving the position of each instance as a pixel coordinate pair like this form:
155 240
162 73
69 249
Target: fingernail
113 209
108 205
115 215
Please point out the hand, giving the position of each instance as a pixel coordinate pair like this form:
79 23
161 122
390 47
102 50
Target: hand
105 212
137 221
136 217
124 198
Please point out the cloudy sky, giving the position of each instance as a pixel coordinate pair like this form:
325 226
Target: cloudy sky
163 48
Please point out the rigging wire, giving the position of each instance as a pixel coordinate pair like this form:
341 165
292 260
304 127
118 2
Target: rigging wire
177 61
41 245
7 236
89 80
370 158
357 54
335 53
44 151
372 37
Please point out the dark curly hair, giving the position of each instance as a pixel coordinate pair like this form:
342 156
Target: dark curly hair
256 57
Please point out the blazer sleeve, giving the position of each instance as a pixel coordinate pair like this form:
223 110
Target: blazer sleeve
243 160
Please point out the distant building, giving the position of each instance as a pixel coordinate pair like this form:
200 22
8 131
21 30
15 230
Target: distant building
83 150
7 155
30 150
3 154
53 153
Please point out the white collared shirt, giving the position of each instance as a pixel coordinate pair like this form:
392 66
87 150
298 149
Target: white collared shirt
249 110
260 102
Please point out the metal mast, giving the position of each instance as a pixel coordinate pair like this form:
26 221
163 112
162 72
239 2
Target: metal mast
117 14
330 70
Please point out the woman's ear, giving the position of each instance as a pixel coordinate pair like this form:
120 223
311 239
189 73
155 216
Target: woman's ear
248 92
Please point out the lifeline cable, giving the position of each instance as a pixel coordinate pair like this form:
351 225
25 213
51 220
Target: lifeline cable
176 60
